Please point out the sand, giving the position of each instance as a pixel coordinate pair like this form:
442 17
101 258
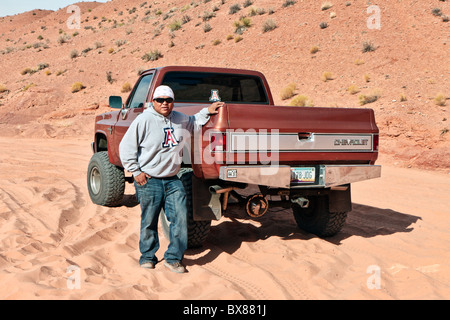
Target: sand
56 244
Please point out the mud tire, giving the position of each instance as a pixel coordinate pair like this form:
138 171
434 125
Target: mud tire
105 181
317 218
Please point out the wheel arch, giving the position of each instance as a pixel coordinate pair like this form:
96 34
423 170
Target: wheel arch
100 142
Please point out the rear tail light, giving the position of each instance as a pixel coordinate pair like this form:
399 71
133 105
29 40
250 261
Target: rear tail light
218 142
375 142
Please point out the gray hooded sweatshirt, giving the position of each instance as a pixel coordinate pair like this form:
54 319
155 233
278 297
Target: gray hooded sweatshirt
153 144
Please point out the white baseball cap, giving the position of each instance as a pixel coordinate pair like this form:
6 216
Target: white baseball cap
163 91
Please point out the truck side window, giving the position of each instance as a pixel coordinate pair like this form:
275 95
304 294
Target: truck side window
141 91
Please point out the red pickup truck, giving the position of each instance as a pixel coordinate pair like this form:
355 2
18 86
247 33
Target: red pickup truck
253 152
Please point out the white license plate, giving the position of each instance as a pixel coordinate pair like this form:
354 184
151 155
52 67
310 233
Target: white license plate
302 175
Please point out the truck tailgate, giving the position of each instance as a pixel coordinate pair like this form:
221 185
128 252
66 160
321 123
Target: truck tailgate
293 136
302 119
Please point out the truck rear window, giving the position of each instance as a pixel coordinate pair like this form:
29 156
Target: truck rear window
201 86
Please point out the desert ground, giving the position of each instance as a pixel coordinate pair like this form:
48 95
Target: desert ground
399 229
56 244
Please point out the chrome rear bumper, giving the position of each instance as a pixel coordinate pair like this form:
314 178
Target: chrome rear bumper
280 176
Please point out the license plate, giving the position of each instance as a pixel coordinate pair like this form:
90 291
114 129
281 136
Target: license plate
303 175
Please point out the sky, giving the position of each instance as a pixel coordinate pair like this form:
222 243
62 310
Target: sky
11 7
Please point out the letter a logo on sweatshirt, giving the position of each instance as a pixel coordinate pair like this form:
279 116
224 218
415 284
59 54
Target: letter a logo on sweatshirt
169 138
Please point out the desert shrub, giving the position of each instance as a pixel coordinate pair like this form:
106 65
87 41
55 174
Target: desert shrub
216 42
109 77
288 92
26 71
207 27
269 25
242 25
185 19
73 54
246 22
85 51
63 39
403 97
323 25
110 50
288 3
353 89
230 37
3 89
366 78
314 49
247 3
126 87
257 11
326 6
28 86
326 76
152 55
208 16
98 45
364 99
440 100
120 43
237 39
368 46
301 101
48 72
42 66
234 8
359 62
436 12
77 86
175 25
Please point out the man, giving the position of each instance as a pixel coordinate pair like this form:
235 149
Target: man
151 150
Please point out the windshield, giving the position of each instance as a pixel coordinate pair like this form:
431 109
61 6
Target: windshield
208 87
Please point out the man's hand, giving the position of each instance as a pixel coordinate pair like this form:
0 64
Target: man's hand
141 179
216 105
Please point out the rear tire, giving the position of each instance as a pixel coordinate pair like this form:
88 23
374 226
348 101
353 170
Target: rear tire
317 218
105 181
198 231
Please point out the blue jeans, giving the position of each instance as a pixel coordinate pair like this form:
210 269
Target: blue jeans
158 193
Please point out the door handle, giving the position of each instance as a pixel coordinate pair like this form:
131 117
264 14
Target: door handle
304 135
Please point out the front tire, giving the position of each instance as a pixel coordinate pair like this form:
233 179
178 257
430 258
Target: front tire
105 181
198 231
317 218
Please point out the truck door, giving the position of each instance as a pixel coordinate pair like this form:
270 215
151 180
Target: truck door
134 106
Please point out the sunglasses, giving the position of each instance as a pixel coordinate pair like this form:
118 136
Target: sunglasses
161 100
